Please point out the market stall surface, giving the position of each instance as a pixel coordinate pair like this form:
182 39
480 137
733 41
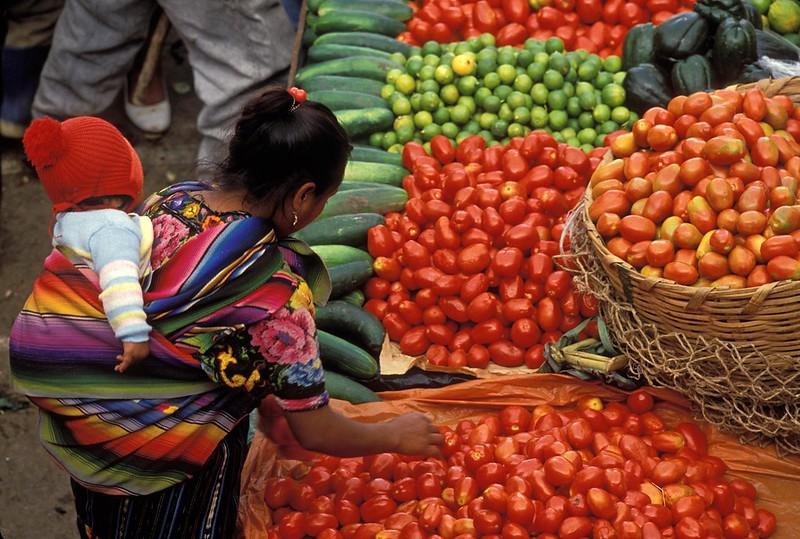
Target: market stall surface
35 497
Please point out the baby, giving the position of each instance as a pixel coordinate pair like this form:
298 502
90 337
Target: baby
93 177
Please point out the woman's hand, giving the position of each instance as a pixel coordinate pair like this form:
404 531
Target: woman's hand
414 434
326 431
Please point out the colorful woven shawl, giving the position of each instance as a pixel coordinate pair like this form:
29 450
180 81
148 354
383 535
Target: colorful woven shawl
150 428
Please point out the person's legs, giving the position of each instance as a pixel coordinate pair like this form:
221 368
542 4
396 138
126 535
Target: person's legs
234 48
94 45
30 31
204 506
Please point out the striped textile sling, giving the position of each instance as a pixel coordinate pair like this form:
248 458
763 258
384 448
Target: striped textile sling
152 427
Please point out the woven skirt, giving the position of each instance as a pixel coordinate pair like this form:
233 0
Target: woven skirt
204 506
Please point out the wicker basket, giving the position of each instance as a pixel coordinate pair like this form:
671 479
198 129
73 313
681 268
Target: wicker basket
734 352
767 317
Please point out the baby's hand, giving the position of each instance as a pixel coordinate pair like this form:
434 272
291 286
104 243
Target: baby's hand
416 435
132 352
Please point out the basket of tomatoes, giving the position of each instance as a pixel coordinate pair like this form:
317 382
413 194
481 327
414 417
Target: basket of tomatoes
695 220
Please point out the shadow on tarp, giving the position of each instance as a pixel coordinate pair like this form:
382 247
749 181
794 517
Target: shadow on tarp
776 479
417 378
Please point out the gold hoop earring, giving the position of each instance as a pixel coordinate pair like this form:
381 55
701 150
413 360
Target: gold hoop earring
294 220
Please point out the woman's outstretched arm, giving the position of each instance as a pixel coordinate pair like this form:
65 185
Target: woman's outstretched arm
326 431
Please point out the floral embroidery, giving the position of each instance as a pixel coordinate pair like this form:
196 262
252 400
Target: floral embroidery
190 211
225 359
169 233
211 221
304 374
302 297
287 337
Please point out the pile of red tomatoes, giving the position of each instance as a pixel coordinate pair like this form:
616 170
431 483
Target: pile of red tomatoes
598 26
614 471
704 193
465 274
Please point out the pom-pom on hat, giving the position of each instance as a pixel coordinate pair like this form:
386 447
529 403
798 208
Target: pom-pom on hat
81 158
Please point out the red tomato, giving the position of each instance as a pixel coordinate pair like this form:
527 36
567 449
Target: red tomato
487 522
473 258
539 267
380 241
317 522
575 528
558 284
443 149
301 497
478 357
484 17
514 419
483 307
501 352
378 508
292 526
640 402
519 509
508 262
415 341
525 332
549 314
277 492
559 471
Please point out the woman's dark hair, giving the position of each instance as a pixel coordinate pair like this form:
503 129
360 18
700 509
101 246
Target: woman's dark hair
275 149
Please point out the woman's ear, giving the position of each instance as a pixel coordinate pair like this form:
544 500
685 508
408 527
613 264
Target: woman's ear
304 195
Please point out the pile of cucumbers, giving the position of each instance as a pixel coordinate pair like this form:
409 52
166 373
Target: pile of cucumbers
350 338
351 48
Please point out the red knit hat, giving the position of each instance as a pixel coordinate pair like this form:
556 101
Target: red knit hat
81 158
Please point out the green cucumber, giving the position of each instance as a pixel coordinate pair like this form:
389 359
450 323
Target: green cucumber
309 36
359 171
368 67
339 355
355 20
375 155
381 200
339 100
340 230
348 277
362 122
336 255
365 39
356 297
391 8
313 5
346 389
322 53
343 84
352 323
350 186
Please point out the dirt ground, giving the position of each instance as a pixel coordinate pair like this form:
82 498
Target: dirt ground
35 498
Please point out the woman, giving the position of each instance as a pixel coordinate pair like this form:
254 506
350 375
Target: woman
157 452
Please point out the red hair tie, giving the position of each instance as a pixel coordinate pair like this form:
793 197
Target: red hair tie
299 97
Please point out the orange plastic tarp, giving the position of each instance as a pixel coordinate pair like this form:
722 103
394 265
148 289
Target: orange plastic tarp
777 479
